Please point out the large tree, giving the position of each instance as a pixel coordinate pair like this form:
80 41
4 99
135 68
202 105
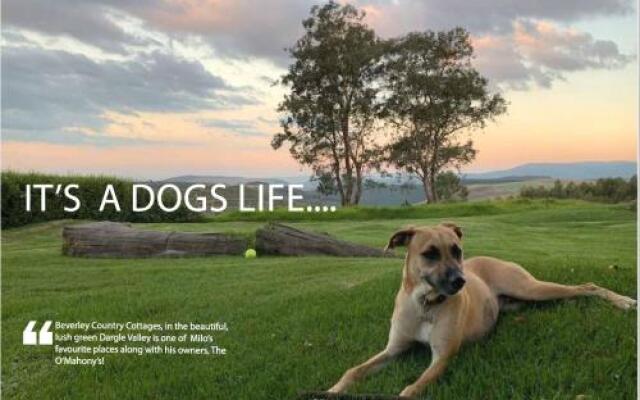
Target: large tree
329 110
433 96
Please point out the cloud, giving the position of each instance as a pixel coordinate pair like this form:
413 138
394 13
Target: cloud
396 17
517 43
239 127
72 136
238 28
546 45
247 28
46 90
262 29
540 52
89 21
241 28
498 58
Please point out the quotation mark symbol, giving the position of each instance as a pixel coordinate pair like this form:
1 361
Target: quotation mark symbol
30 337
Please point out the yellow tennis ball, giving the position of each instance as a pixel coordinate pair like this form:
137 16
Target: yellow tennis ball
250 253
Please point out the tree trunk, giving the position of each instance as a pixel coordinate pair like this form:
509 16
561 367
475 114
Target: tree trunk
428 190
336 168
425 176
278 239
434 168
336 171
358 192
118 240
432 188
347 160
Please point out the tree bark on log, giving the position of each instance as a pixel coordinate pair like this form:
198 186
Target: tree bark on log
278 239
118 240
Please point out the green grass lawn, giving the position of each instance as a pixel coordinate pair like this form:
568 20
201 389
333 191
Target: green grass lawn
297 323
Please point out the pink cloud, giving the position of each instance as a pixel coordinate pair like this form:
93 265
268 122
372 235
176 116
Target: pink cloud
541 52
555 48
146 162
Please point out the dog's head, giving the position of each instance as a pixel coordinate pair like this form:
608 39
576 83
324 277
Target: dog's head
434 256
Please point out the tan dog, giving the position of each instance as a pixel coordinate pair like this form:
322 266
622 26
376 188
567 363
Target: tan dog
445 301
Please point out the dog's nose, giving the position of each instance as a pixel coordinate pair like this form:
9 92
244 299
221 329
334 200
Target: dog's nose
458 283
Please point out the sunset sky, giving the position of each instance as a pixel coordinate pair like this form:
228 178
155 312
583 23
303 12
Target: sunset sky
153 89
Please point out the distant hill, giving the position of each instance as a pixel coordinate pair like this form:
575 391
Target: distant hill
227 180
401 188
502 179
577 170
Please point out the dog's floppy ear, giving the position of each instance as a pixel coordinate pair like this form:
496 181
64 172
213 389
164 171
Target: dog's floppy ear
400 238
453 227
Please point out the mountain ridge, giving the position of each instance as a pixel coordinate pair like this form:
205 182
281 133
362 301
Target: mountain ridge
582 170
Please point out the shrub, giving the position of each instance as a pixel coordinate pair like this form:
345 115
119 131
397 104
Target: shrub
609 190
90 192
449 187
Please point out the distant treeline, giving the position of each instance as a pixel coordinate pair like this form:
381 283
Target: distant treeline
90 192
610 190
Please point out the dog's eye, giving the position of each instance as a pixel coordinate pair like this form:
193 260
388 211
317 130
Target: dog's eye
456 251
432 254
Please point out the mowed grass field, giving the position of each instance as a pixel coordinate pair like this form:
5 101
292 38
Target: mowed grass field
296 324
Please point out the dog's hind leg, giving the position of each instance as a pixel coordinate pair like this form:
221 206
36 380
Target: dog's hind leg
520 284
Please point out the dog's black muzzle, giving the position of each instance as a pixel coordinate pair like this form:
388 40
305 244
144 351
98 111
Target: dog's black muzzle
454 282
450 284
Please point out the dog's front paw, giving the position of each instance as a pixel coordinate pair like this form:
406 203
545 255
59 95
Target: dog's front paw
336 389
410 392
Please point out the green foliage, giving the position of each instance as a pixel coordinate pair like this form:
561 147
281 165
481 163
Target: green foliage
329 110
610 190
449 187
90 192
326 184
308 319
345 82
434 93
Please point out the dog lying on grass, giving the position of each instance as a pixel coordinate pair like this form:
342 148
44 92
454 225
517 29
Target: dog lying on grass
446 301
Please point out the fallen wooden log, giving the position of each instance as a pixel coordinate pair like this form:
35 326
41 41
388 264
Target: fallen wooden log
278 239
118 240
